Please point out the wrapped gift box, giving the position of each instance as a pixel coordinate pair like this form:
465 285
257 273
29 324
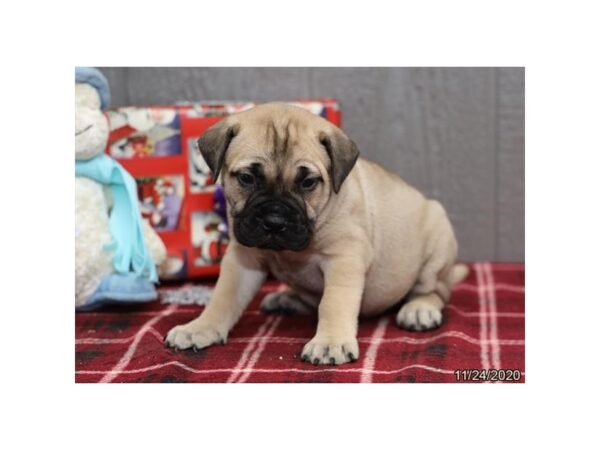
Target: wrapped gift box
178 196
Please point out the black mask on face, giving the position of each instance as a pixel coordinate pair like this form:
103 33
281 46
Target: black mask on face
273 222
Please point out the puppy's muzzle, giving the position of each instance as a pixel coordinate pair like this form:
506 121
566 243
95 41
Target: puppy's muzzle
274 220
274 224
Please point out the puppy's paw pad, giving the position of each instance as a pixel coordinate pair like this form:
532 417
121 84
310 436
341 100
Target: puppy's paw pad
284 302
328 351
419 315
188 336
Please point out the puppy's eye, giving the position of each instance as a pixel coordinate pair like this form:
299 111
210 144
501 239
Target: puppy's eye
246 179
308 184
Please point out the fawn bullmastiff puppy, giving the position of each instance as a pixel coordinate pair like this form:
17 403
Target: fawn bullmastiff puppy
348 237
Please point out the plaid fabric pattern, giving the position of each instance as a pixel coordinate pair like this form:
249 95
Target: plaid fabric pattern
483 328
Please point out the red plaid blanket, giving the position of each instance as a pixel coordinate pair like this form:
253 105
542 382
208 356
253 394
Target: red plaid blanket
482 337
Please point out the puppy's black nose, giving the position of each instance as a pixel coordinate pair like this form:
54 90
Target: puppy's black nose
274 222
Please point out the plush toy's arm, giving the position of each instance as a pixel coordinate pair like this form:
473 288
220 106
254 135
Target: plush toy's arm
156 247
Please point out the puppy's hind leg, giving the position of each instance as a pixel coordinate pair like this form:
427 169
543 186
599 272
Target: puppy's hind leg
421 312
423 308
286 302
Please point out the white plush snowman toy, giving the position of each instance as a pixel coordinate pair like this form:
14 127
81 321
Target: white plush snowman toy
116 252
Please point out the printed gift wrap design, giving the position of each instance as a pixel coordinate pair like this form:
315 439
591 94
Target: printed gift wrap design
201 178
144 132
176 267
215 109
220 109
209 238
177 191
161 199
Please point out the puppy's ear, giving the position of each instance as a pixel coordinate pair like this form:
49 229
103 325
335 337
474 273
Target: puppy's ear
343 154
214 143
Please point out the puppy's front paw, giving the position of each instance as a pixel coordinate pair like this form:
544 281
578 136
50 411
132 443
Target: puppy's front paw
419 315
330 351
193 335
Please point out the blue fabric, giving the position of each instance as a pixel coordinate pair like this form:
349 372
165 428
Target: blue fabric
117 289
95 78
130 251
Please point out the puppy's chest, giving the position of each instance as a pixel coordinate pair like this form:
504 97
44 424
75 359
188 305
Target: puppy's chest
302 274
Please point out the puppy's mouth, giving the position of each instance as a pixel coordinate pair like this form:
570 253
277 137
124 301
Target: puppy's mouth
273 224
80 132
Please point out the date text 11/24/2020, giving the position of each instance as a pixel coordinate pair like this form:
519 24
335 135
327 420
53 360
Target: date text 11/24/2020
488 375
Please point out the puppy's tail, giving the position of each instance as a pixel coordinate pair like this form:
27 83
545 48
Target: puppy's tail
458 273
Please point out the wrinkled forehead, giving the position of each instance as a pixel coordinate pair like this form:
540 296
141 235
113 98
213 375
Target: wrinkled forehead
277 148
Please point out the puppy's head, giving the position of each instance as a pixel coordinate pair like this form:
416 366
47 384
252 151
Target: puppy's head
279 165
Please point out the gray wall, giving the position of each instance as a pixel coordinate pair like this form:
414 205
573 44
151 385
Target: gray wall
457 134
